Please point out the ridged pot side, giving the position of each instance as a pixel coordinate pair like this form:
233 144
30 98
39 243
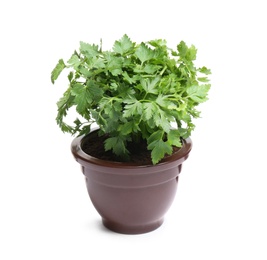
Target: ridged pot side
130 198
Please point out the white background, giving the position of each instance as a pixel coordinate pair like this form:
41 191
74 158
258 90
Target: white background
220 208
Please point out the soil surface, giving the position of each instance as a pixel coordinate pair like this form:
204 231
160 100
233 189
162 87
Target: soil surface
94 146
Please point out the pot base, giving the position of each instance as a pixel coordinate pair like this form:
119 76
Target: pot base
131 230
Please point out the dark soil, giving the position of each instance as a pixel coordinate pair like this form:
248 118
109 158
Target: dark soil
94 146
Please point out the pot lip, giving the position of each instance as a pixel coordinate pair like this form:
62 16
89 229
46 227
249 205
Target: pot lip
80 155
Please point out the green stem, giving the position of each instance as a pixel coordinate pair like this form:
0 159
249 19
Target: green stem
161 73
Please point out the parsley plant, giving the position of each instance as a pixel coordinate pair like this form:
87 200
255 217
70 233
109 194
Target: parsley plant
133 92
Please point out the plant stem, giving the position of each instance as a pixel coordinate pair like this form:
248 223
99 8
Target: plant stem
161 73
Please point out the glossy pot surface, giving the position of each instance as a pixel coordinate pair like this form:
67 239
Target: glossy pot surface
130 198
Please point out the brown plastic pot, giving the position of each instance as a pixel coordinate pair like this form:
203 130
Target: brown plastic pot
130 198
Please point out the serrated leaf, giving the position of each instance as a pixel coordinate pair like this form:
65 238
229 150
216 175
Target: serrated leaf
77 123
149 110
150 68
160 149
82 99
127 93
85 130
74 61
203 79
111 112
154 137
194 113
114 64
81 107
70 76
182 49
78 89
204 70
158 42
65 100
117 145
128 78
174 53
97 62
139 69
126 128
150 85
57 70
144 53
186 53
198 93
184 116
110 143
133 109
95 91
184 133
163 101
89 50
65 127
161 120
174 138
85 72
191 53
124 45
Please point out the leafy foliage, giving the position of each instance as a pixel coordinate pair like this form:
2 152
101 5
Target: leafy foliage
133 92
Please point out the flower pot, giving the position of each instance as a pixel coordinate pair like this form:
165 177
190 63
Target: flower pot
131 198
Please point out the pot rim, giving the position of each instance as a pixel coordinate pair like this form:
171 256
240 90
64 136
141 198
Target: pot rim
76 149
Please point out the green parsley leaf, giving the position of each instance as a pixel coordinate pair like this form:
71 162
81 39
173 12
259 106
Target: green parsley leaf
126 128
158 43
151 69
186 53
89 50
204 70
157 135
182 48
150 85
84 130
161 120
123 46
133 109
82 98
118 145
114 64
163 101
203 79
128 78
57 70
144 53
129 127
149 110
74 61
96 62
63 105
174 138
191 53
95 91
65 100
160 148
198 93
70 76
